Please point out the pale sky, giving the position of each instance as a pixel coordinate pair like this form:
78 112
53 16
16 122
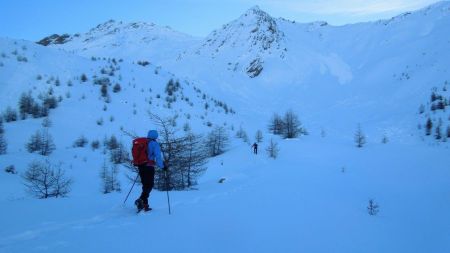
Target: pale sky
35 19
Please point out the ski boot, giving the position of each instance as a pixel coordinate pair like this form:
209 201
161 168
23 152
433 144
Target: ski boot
147 208
139 204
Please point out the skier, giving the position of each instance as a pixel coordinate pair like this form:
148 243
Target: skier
147 170
255 148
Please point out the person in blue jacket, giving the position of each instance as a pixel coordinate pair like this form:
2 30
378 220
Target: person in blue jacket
147 171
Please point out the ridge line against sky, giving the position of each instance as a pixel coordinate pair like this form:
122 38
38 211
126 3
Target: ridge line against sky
33 20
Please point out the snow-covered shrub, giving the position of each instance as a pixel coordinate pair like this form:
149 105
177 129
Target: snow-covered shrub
26 104
143 63
21 58
38 111
43 180
421 109
34 143
240 133
384 139
109 178
186 127
80 142
117 88
83 78
373 208
2 129
172 87
47 145
360 138
292 125
102 81
276 124
217 141
104 90
272 149
119 154
11 169
100 122
3 144
95 144
438 134
259 136
289 126
111 143
49 101
186 155
10 114
41 142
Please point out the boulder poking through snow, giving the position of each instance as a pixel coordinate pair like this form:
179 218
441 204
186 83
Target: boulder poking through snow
255 68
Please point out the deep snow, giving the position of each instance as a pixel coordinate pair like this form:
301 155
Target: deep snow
312 198
300 202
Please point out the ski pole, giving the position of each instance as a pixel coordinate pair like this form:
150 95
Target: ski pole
131 188
167 189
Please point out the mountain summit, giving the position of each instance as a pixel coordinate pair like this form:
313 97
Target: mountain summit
242 44
136 40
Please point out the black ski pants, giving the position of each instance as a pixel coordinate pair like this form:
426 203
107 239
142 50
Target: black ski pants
147 174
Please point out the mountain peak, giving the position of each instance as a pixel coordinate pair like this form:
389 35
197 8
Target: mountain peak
255 11
245 42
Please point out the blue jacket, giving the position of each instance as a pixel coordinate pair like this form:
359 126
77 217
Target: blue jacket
154 150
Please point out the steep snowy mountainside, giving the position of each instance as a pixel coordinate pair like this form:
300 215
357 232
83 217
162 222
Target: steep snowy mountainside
136 41
244 42
374 73
114 94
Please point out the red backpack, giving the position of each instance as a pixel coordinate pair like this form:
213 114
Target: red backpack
140 152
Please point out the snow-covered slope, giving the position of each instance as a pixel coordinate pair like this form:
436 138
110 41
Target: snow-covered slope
375 73
312 198
244 44
143 89
134 41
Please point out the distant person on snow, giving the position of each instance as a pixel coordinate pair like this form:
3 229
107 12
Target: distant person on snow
255 148
147 169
